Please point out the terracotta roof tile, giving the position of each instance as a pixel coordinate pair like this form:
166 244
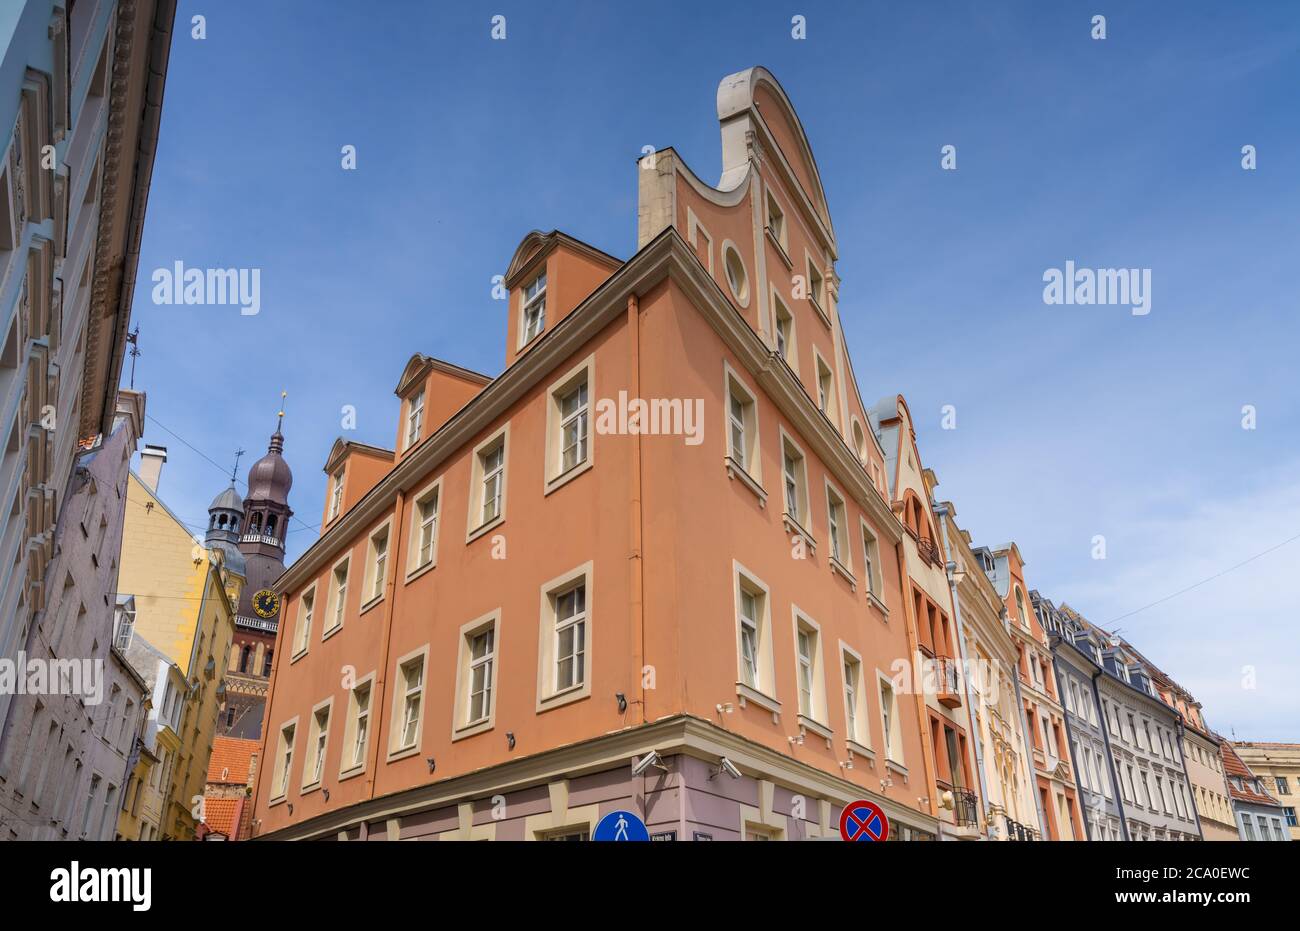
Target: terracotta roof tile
1235 768
220 814
231 760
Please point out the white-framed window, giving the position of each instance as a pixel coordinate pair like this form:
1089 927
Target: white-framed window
356 732
776 222
283 759
860 443
816 286
794 480
855 698
414 418
533 314
826 388
408 702
313 769
837 524
302 628
890 729
871 561
809 675
377 564
783 331
755 664
336 494
568 425
476 676
699 239
338 596
424 528
125 628
564 654
487 499
742 424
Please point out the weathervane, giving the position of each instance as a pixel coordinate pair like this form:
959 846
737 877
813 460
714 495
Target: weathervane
235 471
134 339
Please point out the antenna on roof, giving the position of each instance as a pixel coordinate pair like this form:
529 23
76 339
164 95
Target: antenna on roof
235 471
133 338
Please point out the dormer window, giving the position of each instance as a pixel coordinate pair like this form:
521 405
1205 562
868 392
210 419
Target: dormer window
534 317
414 418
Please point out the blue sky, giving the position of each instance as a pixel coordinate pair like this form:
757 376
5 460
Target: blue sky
1072 421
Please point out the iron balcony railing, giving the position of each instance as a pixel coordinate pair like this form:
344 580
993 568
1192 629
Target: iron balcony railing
965 810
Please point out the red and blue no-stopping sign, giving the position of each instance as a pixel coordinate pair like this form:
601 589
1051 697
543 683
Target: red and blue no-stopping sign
863 820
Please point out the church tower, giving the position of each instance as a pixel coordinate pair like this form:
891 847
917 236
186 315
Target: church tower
258 525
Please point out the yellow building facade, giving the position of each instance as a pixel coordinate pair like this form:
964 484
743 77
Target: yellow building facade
184 596
1278 764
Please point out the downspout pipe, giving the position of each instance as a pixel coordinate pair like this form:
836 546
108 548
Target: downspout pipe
1110 757
1053 641
941 511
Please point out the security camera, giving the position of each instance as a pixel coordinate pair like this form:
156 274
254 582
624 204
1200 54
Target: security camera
650 759
729 768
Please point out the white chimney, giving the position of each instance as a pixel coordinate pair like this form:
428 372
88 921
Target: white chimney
151 463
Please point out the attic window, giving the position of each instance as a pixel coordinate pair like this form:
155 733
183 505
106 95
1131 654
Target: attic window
737 278
534 317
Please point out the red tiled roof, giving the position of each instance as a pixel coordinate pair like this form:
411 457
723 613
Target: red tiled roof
1235 768
220 813
231 760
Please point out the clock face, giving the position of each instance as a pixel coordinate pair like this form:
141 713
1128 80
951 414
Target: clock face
266 603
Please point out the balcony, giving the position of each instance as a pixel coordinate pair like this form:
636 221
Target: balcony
948 679
261 538
270 625
965 808
929 552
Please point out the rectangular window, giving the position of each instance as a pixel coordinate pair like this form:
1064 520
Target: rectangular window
358 733
336 494
284 759
795 481
534 312
776 221
570 638
889 722
487 499
815 285
853 697
871 556
414 418
338 596
825 388
742 425
302 633
783 327
1283 787
424 528
573 427
481 647
378 568
749 621
317 740
804 641
837 524
410 679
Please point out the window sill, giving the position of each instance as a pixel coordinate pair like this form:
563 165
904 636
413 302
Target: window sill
484 528
858 749
308 790
297 656
395 755
808 724
736 470
795 528
351 773
876 603
278 800
418 571
780 249
564 478
896 767
370 604
837 566
469 730
568 696
330 633
820 313
763 700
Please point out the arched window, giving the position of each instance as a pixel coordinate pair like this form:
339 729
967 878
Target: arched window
270 525
257 523
1020 607
245 657
266 664
222 522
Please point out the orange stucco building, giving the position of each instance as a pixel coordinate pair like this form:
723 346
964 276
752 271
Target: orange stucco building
670 526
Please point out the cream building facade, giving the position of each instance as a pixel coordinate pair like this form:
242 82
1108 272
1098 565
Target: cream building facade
1278 765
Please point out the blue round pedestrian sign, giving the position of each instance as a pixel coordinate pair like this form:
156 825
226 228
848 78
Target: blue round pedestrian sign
621 825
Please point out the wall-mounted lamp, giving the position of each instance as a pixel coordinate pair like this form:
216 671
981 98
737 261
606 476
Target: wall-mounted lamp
433 764
622 702
725 708
510 739
325 793
291 808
